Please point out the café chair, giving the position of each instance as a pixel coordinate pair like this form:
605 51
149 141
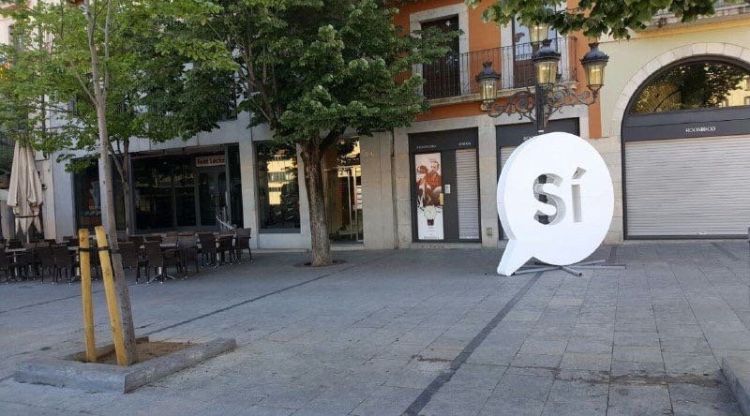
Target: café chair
242 242
208 248
64 261
188 248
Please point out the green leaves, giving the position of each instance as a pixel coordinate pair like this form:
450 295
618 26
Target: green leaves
165 78
594 18
309 68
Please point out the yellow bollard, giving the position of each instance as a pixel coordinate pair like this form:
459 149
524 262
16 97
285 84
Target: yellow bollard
115 320
88 306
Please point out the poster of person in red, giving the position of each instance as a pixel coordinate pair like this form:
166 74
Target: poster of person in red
429 183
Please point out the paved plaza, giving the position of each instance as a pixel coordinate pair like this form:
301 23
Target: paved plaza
415 332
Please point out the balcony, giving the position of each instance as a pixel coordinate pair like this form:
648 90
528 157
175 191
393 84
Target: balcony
723 9
453 77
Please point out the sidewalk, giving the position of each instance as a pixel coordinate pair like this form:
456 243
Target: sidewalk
428 332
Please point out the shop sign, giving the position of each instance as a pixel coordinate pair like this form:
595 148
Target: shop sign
579 201
210 160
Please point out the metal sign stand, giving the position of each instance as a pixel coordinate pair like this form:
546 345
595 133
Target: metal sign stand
573 269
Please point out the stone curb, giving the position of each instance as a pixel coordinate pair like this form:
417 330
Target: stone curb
737 372
110 378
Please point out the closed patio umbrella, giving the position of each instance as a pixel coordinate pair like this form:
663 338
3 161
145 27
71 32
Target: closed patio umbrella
25 190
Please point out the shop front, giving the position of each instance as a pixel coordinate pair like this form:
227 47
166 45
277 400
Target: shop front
686 151
191 189
445 186
185 189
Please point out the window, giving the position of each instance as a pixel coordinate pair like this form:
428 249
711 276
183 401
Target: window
86 195
278 189
692 86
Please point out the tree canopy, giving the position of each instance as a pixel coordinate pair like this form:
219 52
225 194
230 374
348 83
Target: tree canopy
312 68
594 18
157 88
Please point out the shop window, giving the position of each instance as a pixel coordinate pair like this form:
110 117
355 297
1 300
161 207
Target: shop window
694 85
154 181
235 186
87 195
278 188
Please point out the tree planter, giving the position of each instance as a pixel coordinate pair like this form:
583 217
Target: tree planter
71 372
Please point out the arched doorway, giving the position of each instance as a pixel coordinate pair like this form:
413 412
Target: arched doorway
686 152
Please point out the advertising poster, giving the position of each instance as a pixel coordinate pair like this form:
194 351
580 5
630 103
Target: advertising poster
429 181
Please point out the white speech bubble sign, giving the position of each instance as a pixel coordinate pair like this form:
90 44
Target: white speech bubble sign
580 201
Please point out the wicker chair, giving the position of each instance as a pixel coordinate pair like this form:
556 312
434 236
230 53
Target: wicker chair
131 259
64 261
188 248
6 266
47 263
225 248
208 248
242 242
159 260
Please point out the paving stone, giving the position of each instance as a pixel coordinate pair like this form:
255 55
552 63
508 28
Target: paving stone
639 401
515 386
625 368
586 361
512 407
367 337
691 408
637 354
543 347
589 345
476 376
536 360
580 408
456 402
681 363
565 391
636 339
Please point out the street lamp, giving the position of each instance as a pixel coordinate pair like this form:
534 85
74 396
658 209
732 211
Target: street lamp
538 32
488 80
594 63
546 96
546 61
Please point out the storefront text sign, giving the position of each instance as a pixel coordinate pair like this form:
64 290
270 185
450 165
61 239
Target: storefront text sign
579 201
208 161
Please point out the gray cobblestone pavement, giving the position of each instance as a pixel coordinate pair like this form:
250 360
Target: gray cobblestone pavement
427 332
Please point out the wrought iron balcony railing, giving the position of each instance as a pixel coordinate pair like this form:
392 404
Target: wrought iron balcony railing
455 75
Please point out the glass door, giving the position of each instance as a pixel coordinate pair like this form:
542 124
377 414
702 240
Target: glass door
212 186
344 197
344 192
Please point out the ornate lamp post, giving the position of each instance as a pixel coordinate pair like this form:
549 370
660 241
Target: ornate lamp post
547 96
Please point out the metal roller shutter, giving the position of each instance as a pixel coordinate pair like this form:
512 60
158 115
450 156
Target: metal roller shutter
467 194
504 155
688 187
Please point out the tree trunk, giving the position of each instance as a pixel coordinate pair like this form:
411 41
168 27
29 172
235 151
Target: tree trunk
127 189
110 225
100 83
321 245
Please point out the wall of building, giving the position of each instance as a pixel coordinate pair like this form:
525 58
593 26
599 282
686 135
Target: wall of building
487 150
376 156
633 61
59 207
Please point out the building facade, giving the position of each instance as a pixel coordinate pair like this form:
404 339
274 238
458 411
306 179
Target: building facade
671 123
675 126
